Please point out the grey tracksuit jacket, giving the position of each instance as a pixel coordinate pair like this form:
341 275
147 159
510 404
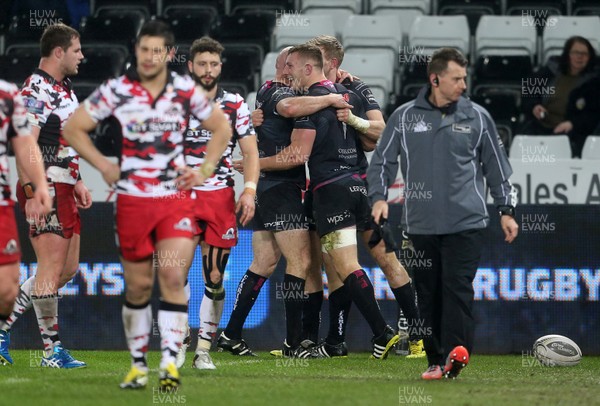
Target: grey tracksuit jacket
443 159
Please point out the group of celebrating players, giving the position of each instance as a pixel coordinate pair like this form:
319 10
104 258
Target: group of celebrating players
174 186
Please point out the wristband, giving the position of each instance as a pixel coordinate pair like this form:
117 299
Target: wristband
506 211
29 190
358 123
250 185
207 169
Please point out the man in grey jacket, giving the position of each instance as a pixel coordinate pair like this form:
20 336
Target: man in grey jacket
446 144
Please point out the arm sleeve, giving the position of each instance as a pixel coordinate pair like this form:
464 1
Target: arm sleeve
200 106
19 122
279 95
495 164
383 168
101 103
37 103
366 95
243 124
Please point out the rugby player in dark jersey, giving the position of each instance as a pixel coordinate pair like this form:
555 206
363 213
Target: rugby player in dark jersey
340 206
280 225
398 279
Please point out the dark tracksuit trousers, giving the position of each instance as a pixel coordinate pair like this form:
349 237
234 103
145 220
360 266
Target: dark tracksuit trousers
445 291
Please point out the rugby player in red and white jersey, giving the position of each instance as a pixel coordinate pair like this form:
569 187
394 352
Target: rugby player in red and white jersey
14 127
216 209
154 208
49 99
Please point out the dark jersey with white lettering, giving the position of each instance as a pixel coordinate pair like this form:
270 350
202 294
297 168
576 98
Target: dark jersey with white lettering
196 139
13 122
50 104
274 134
152 128
334 153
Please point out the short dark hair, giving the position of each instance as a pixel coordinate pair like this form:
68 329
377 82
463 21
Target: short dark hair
332 48
310 52
57 35
441 58
157 28
564 63
205 44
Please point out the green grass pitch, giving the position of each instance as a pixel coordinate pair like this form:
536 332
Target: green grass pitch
265 380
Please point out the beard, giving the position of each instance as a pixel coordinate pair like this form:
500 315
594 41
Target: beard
207 87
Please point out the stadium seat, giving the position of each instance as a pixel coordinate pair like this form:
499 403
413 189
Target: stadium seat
116 9
240 65
423 5
472 10
23 29
278 6
504 109
339 10
267 71
545 146
501 71
16 69
148 6
100 63
114 30
220 7
555 35
23 50
591 148
190 24
376 69
585 7
254 28
373 32
294 29
83 89
505 35
414 76
433 32
234 87
541 8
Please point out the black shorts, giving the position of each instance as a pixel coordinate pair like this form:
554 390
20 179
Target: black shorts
279 207
341 204
308 210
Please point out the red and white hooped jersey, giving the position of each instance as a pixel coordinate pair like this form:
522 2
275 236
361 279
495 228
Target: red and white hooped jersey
12 113
50 104
196 138
152 129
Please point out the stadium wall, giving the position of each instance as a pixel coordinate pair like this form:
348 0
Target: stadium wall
547 282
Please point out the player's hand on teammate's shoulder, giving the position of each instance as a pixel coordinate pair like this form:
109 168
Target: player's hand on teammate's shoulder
83 197
343 75
338 101
258 118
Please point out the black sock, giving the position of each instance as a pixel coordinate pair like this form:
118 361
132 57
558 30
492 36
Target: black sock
405 296
311 316
247 292
363 296
340 302
294 299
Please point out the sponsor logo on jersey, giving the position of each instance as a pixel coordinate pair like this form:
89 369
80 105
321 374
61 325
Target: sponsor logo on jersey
11 247
185 224
229 235
361 189
338 218
34 106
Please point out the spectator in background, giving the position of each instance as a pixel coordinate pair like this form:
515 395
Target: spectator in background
562 98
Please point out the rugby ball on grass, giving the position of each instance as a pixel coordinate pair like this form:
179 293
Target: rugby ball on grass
556 350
